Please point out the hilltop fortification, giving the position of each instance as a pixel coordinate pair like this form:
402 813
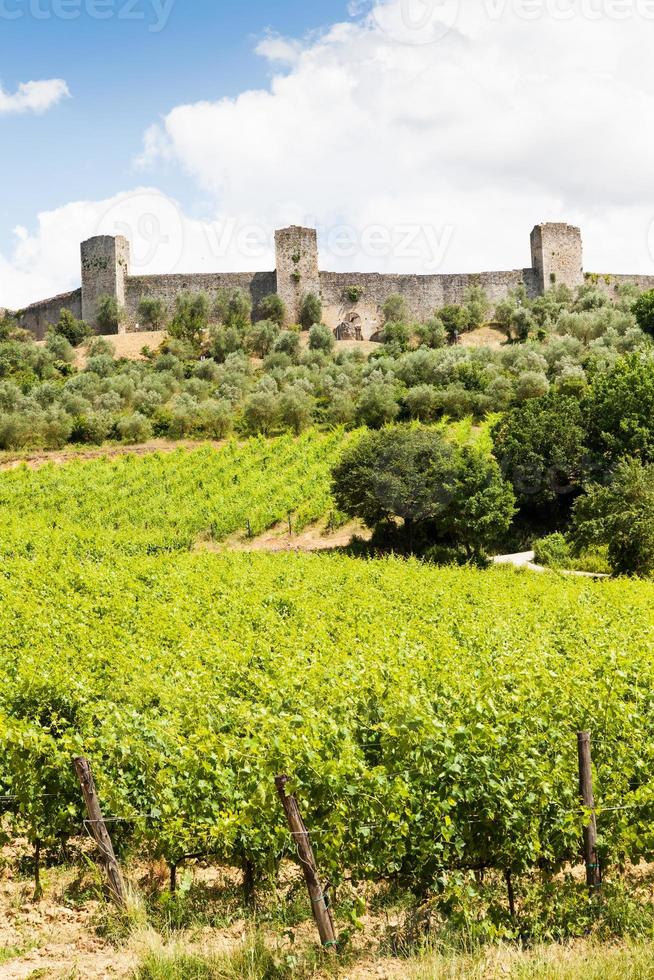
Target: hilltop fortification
347 297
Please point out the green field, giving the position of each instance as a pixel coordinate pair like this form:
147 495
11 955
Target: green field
427 716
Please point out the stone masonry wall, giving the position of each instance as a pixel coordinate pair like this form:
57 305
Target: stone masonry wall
257 284
38 316
423 294
557 257
610 284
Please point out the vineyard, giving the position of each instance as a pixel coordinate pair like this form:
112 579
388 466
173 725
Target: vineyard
163 502
426 718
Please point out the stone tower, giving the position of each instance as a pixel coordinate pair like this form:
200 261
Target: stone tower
297 267
105 268
557 256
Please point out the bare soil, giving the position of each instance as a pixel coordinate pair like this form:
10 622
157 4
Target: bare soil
316 537
35 459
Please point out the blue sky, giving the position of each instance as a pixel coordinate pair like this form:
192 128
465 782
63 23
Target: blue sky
416 135
122 75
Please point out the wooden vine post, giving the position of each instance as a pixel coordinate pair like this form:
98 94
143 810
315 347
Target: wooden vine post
593 873
300 835
99 830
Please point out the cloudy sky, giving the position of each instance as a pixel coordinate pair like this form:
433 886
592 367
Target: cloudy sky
417 135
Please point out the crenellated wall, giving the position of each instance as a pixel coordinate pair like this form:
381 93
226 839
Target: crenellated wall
556 251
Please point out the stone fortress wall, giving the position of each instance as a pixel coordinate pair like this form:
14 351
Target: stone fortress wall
556 252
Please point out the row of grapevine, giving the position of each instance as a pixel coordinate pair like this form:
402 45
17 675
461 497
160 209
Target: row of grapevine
163 502
427 717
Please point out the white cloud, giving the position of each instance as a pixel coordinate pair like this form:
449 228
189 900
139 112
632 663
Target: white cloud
473 116
35 97
469 122
163 240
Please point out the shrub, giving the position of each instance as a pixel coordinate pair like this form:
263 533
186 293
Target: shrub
134 428
262 337
288 342
152 313
75 331
109 315
395 309
553 551
321 338
191 318
272 308
620 516
377 406
353 293
310 311
296 410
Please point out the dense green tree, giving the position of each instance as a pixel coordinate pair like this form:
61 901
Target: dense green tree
620 516
272 307
441 493
619 410
152 313
191 318
643 310
540 447
75 331
310 311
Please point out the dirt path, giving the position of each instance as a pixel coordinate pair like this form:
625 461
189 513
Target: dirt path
316 537
527 559
10 461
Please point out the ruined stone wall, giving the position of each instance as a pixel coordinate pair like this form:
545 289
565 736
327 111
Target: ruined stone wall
166 288
422 294
38 316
